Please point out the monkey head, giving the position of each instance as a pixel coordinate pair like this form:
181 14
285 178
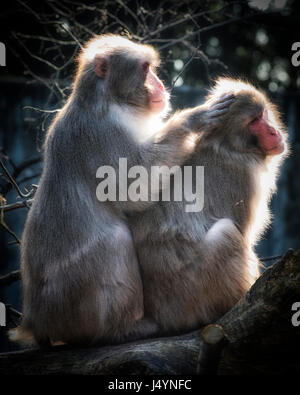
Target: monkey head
122 72
252 125
268 136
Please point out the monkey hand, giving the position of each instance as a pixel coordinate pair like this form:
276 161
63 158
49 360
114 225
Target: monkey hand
211 113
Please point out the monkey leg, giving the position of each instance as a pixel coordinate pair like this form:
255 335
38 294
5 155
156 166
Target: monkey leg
100 302
143 329
230 266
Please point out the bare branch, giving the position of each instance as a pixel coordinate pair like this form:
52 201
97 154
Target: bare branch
13 206
47 39
14 183
187 17
10 278
6 227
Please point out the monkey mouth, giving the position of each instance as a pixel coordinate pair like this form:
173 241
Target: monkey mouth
278 149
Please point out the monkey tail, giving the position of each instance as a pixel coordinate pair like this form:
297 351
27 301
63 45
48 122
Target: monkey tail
22 336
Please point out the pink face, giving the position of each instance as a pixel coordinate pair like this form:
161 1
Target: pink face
269 139
156 90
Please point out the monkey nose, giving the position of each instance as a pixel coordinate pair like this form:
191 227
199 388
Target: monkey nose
160 86
273 131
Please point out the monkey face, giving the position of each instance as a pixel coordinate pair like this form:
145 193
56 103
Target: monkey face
259 131
252 124
269 138
156 90
125 71
134 82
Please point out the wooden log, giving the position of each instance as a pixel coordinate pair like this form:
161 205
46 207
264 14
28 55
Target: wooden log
260 334
269 298
174 355
255 336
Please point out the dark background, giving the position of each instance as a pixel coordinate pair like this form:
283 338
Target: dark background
247 39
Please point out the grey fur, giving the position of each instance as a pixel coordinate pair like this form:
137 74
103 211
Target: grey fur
192 276
80 275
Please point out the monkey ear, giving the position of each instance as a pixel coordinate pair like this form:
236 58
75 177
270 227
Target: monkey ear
100 66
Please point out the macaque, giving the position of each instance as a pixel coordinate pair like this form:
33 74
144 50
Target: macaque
196 266
80 275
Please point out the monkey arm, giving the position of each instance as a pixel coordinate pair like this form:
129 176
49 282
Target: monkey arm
181 132
170 147
209 114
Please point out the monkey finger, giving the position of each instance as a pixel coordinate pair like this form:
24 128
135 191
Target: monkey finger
223 104
226 97
216 113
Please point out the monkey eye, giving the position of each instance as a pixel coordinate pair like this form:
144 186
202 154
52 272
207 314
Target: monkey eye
145 67
256 118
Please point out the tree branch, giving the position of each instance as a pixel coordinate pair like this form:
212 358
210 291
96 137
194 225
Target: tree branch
10 278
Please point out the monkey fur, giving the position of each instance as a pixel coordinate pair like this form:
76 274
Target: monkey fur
196 266
81 279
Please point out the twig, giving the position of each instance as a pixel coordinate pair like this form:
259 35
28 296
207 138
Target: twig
186 18
6 227
26 179
7 157
25 164
14 183
14 311
14 206
171 42
186 65
271 258
9 278
44 38
41 110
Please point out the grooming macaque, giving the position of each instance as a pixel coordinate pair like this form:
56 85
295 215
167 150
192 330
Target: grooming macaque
196 266
80 275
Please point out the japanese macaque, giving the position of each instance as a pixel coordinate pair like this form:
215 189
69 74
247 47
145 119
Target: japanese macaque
196 266
80 275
